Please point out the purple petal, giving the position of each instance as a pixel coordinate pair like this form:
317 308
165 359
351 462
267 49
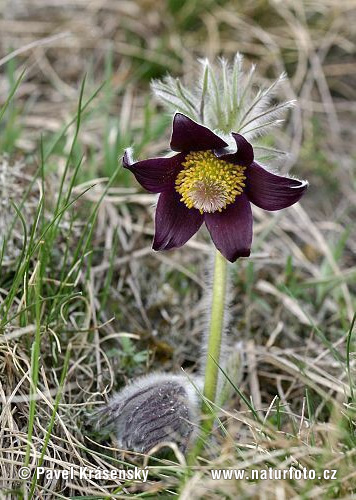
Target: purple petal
244 154
156 174
175 224
231 229
270 191
188 135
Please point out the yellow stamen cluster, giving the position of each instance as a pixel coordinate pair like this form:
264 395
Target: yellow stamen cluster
208 183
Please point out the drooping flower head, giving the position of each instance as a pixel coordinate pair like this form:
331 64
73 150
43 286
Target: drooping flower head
207 183
153 410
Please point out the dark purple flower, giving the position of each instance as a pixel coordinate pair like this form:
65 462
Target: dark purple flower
205 183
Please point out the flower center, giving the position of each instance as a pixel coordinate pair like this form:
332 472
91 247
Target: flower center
207 183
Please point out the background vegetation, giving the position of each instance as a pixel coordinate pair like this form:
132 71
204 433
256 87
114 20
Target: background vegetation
85 304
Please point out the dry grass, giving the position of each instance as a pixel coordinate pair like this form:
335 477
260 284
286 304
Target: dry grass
123 310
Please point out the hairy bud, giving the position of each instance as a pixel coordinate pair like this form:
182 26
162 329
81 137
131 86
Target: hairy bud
152 410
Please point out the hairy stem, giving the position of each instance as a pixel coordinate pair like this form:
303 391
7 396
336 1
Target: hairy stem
216 327
214 349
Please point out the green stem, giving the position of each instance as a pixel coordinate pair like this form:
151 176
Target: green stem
216 327
214 348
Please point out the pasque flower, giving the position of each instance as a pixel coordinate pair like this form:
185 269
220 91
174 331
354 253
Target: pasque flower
205 182
151 411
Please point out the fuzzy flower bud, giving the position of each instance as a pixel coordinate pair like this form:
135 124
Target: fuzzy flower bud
151 410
